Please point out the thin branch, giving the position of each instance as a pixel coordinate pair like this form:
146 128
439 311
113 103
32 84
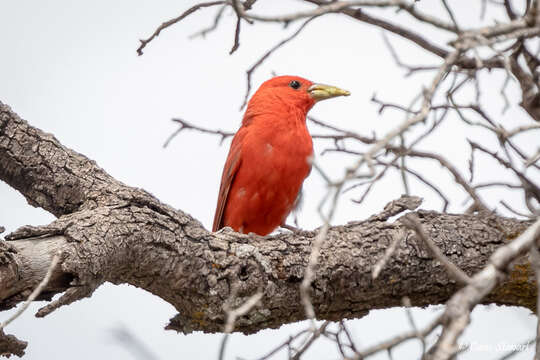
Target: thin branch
314 336
343 327
421 116
496 183
389 344
184 125
250 71
342 6
43 283
390 250
409 68
309 273
514 211
531 160
456 273
529 186
171 22
202 33
459 307
233 314
287 343
429 184
445 163
236 36
451 15
407 305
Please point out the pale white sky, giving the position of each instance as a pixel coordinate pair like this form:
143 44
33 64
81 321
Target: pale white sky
70 68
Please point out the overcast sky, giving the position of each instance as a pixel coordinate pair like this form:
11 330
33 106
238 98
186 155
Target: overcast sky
70 68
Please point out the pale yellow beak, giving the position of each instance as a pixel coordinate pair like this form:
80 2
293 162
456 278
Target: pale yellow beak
322 92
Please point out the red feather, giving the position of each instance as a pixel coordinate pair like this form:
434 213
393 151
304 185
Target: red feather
268 160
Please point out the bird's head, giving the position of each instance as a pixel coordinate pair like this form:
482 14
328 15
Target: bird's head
293 91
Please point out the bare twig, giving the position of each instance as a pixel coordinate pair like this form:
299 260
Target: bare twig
407 305
410 69
445 163
309 273
533 159
233 314
421 116
35 293
341 6
389 344
457 313
390 250
250 71
529 186
344 134
314 336
287 343
411 221
202 33
184 125
514 211
236 36
470 50
452 16
171 22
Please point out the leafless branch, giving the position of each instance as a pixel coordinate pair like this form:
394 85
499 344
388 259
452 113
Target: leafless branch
236 36
202 33
389 344
258 63
233 314
390 250
410 69
451 15
502 46
314 336
35 293
529 186
171 22
283 345
514 211
184 125
412 223
457 314
445 163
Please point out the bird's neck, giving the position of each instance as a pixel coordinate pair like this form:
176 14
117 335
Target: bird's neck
276 110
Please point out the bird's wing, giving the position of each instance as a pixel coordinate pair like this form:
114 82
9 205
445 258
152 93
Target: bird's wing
229 172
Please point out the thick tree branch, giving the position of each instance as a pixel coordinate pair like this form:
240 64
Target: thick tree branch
193 269
49 175
133 238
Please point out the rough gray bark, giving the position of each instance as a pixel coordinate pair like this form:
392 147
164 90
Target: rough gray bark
107 231
10 345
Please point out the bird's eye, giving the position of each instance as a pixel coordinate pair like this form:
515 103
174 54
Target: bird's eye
294 84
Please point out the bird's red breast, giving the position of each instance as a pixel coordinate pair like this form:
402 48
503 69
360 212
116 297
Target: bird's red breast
270 156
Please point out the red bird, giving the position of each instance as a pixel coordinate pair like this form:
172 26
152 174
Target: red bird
270 156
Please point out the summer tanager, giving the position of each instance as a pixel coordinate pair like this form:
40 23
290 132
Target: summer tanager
270 156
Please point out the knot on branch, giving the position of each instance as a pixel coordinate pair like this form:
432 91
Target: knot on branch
405 202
